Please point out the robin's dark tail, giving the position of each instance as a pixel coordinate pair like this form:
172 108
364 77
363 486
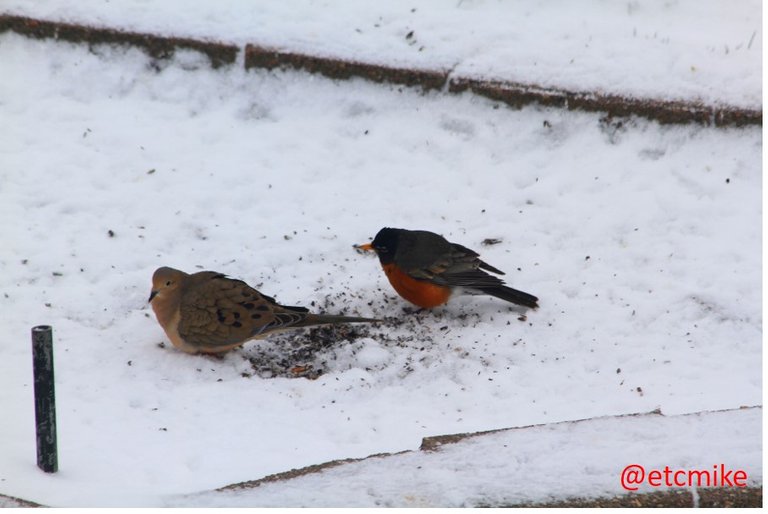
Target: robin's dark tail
512 295
479 282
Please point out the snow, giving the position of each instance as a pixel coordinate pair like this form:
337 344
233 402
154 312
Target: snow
642 242
522 465
706 50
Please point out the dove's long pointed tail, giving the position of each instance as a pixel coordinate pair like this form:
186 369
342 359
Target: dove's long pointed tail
330 319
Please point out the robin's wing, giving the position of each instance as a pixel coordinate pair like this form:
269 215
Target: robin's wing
464 254
471 279
221 311
455 267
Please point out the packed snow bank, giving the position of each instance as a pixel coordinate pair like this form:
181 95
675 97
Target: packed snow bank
539 464
705 50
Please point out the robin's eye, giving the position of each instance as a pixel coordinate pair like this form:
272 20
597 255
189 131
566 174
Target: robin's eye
381 249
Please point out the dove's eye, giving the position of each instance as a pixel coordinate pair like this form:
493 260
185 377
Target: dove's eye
167 284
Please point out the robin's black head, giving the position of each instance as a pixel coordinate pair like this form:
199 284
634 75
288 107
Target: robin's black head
385 243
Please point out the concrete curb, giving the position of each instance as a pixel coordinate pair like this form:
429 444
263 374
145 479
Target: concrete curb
158 47
270 58
673 497
707 498
11 502
514 94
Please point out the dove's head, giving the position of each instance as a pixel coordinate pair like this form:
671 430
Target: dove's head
166 282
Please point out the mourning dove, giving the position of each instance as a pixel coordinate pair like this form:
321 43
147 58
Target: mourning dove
207 312
426 269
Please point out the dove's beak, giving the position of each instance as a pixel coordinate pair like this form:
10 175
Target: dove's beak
151 296
367 247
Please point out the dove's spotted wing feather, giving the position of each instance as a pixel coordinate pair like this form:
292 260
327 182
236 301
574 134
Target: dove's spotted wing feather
217 311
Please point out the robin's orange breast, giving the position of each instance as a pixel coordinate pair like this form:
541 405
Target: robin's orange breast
418 292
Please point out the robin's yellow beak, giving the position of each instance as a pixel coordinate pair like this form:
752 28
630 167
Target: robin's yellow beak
367 247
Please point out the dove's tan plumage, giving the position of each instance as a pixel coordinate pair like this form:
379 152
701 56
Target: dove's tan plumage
207 312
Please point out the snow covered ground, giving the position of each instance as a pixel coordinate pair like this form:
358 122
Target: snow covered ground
708 50
642 242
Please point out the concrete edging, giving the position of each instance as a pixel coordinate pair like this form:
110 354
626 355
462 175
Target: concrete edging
158 47
514 94
674 497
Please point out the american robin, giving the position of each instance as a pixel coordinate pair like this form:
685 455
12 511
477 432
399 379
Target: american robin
425 269
206 312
